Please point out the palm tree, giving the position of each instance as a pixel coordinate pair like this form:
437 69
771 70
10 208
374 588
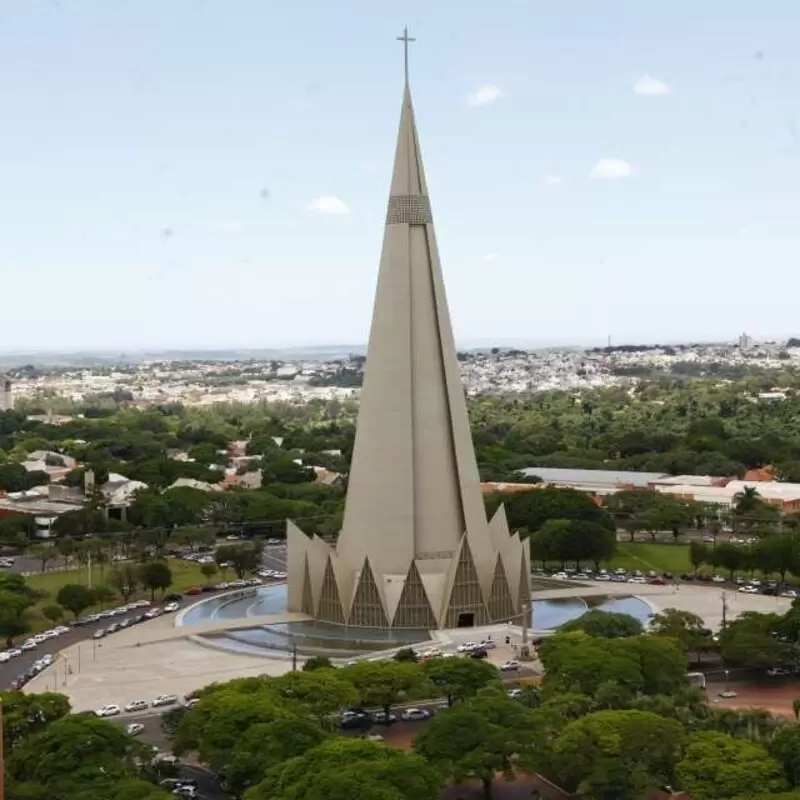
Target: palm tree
747 500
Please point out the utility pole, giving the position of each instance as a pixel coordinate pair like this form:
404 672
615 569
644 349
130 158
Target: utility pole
89 575
724 614
294 665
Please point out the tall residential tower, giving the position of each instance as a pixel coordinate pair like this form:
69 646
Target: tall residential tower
415 550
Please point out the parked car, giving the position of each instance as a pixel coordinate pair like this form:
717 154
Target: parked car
137 705
510 666
165 700
110 710
169 607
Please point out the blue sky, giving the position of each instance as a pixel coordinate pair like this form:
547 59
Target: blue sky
619 167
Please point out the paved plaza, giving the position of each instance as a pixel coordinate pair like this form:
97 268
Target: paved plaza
138 664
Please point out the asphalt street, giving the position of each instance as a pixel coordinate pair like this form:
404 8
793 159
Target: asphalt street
274 557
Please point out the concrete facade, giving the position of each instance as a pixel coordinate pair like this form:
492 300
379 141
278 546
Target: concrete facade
415 550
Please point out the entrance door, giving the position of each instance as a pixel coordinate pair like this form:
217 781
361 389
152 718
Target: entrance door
466 620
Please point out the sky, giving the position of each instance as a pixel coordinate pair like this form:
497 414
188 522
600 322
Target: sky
214 173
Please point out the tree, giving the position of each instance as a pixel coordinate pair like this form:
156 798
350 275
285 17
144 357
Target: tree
716 766
66 548
350 769
530 510
244 558
383 683
209 571
606 624
75 753
125 579
320 692
13 614
582 663
155 576
27 714
784 747
214 728
44 553
616 754
749 641
266 745
406 654
699 554
684 627
484 736
459 678
75 597
53 612
317 662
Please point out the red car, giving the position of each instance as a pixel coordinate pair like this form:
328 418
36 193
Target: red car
194 590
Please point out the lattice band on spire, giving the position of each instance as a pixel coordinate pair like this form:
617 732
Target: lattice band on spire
415 209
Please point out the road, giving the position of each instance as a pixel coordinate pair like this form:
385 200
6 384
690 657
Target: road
17 666
274 556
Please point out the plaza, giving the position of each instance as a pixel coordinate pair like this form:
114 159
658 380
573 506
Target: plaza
140 664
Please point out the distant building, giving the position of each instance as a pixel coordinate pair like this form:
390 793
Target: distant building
6 393
745 341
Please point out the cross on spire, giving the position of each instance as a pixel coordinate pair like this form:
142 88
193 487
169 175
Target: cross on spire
405 39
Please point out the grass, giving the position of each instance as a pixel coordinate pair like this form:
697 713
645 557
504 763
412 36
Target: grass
645 556
185 574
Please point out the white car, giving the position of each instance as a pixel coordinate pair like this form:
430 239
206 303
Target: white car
4 657
134 729
110 710
515 694
560 576
15 652
137 705
29 645
718 579
637 579
434 652
748 589
510 666
414 714
466 647
169 607
165 700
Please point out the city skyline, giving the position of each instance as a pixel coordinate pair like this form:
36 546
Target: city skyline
192 177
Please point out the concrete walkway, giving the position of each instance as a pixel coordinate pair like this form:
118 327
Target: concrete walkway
155 657
143 635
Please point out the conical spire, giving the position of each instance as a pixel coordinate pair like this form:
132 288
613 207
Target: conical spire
408 178
415 548
413 487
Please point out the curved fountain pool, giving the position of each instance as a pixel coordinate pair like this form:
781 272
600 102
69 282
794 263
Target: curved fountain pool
319 638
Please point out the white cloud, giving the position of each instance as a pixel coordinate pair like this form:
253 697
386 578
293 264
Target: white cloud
328 204
491 257
552 180
647 84
610 169
484 95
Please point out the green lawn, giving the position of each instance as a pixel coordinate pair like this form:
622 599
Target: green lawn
645 556
185 574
